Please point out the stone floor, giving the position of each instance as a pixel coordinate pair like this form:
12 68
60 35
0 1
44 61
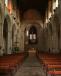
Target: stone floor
31 67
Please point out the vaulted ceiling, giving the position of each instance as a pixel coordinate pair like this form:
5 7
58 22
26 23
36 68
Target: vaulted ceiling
40 5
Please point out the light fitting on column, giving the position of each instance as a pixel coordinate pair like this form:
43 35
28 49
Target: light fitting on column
6 3
56 3
46 20
27 33
49 16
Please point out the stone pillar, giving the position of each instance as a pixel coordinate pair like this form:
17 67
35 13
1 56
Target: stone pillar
1 39
55 39
9 48
22 38
1 25
60 37
49 41
59 15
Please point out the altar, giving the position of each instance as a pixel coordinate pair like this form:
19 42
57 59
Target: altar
32 52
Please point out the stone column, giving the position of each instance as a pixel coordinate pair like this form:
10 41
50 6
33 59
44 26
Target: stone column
55 39
9 48
1 39
60 37
22 38
59 15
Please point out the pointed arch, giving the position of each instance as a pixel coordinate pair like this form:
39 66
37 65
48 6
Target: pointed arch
7 34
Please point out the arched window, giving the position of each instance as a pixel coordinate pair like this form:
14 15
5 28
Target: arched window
33 35
6 2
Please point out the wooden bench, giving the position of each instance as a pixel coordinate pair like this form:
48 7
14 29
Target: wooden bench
10 62
55 72
52 63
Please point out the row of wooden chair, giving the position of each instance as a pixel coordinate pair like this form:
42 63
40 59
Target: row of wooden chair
51 62
9 63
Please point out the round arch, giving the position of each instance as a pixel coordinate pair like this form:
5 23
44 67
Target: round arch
39 30
57 30
32 35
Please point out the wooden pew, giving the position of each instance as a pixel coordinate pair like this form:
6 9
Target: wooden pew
10 62
55 72
52 63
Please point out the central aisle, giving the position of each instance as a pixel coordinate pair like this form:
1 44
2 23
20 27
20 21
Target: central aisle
31 67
